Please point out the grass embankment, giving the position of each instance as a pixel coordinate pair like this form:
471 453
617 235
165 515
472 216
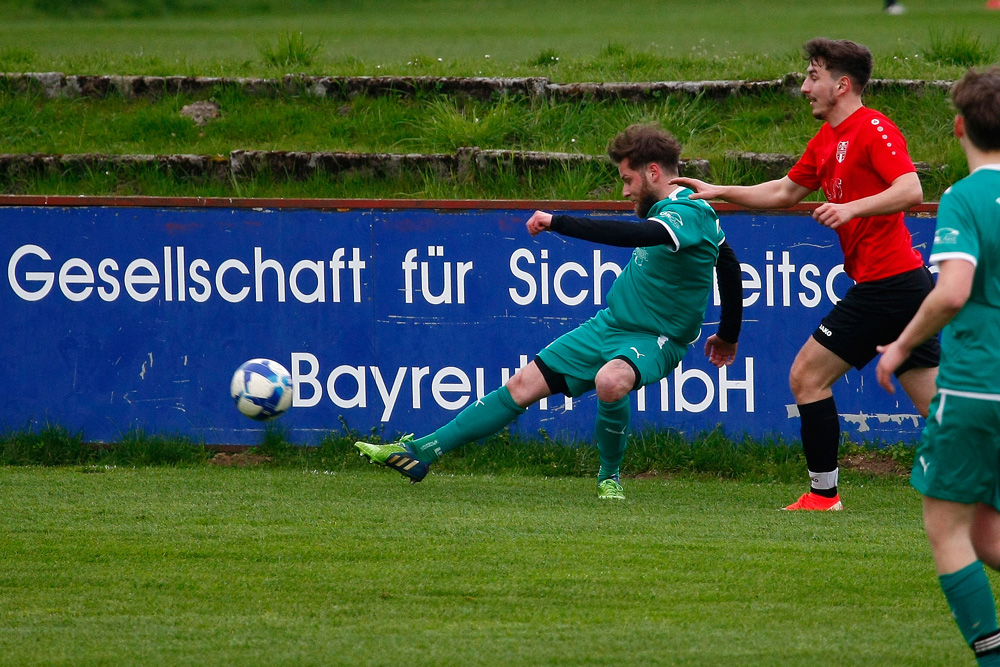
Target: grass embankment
430 124
932 41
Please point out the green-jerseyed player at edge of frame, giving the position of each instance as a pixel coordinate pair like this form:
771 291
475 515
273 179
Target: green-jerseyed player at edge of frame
655 310
957 463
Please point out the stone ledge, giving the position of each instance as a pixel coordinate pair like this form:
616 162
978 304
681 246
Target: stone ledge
60 85
775 165
465 163
242 164
194 167
916 86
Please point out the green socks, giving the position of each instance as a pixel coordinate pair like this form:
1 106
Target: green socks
971 600
483 418
611 432
497 409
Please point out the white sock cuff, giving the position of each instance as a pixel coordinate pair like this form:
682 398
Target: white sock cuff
824 480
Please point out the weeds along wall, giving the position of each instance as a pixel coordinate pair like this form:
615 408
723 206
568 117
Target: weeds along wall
391 316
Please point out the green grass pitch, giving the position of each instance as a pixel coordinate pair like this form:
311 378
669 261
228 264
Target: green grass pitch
286 565
210 565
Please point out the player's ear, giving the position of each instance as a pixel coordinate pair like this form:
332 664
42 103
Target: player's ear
959 126
654 171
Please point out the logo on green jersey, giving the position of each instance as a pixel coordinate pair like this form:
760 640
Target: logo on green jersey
673 218
945 235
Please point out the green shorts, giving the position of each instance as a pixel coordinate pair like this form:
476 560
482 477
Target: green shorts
958 458
578 354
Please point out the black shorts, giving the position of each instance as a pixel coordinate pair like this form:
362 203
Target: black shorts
875 313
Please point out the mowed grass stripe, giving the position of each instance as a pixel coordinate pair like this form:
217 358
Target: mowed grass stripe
578 42
277 565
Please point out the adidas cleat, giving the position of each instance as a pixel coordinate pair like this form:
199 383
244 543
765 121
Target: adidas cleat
397 456
610 489
815 502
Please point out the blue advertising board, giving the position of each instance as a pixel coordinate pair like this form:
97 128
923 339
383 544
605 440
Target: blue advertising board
389 318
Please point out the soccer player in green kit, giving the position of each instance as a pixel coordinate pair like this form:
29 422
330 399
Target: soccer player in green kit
655 310
957 466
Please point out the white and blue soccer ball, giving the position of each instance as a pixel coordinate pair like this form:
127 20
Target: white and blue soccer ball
261 389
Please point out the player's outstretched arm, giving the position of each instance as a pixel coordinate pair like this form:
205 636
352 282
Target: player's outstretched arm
702 190
780 193
720 348
539 222
954 284
903 193
720 352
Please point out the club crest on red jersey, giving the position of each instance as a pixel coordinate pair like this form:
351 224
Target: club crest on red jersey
841 151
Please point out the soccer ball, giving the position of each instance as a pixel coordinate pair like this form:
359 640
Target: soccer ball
261 389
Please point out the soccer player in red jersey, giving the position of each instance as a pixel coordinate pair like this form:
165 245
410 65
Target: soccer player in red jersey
859 159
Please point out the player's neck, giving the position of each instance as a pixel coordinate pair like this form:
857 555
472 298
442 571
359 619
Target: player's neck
843 110
663 189
978 158
661 194
670 190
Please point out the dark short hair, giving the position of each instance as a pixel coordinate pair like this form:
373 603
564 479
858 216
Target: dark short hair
977 98
643 144
843 57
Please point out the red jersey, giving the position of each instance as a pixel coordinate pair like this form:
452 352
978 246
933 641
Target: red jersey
859 158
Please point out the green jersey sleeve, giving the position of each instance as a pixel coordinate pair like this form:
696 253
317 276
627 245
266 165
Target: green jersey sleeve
955 236
686 223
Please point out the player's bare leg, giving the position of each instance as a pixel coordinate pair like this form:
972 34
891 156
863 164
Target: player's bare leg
920 384
986 535
949 530
950 527
813 374
528 386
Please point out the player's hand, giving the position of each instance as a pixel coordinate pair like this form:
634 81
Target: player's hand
893 355
702 190
720 352
539 222
832 215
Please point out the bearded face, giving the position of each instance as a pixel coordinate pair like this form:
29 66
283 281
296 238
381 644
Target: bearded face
637 188
644 198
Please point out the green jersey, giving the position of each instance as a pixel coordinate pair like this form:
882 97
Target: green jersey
664 289
968 228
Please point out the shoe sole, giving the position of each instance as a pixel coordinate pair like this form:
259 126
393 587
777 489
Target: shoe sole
836 507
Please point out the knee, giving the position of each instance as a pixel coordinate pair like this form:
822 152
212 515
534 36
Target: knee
516 388
797 380
527 386
938 539
803 383
614 381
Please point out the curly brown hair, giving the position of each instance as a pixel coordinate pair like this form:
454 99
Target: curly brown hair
643 144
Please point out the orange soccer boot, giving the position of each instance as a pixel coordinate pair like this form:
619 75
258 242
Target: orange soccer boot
815 502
